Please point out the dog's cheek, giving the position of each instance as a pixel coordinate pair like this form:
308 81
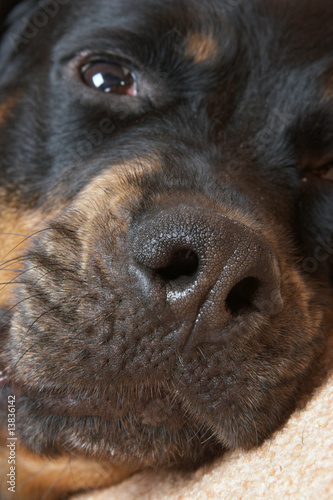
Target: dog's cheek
16 232
62 294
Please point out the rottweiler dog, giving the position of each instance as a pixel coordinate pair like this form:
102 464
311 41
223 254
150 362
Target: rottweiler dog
166 231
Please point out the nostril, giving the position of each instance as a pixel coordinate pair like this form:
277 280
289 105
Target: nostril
241 297
183 262
194 261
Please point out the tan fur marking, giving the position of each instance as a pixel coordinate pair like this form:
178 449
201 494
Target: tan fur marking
328 83
37 476
110 193
6 107
329 175
15 237
117 179
201 47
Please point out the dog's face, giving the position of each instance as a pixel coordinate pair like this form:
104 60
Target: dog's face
169 162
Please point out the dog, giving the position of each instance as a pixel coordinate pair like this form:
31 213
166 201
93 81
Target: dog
166 231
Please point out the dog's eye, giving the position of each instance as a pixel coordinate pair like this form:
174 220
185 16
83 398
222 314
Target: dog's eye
328 174
321 167
324 171
109 77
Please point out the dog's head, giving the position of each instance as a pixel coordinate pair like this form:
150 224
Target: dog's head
169 163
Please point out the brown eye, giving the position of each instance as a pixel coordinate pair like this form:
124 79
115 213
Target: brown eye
328 173
321 166
109 77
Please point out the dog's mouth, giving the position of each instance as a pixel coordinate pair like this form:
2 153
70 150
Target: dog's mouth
117 426
151 405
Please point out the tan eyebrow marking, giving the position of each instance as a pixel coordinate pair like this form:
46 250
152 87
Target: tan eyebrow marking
201 47
5 107
328 83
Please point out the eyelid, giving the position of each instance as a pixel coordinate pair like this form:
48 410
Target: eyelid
328 175
86 57
86 66
151 87
321 167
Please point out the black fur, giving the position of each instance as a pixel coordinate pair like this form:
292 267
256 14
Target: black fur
247 129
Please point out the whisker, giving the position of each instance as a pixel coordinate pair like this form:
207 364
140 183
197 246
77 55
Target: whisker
14 260
33 475
91 464
61 473
13 280
35 343
17 304
210 437
14 234
6 283
11 270
27 238
22 272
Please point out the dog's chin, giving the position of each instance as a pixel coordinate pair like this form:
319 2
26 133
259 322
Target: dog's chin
141 426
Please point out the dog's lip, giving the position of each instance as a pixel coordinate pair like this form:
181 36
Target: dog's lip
151 406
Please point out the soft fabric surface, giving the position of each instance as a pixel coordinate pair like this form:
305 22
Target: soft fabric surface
297 463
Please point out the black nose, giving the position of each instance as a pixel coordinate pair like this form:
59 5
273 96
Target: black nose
207 267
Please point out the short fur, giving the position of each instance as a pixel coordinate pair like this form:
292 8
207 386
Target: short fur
231 130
